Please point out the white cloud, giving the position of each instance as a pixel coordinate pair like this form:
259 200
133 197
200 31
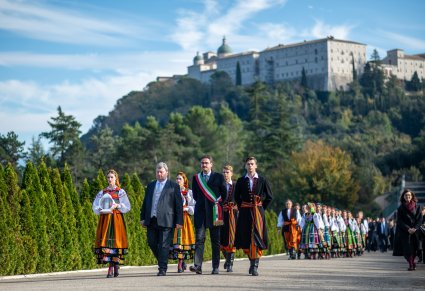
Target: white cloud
202 30
50 23
28 105
321 29
404 41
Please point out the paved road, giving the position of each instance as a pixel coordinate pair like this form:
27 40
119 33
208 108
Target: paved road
374 271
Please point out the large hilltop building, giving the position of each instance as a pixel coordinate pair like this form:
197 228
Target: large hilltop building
404 66
328 63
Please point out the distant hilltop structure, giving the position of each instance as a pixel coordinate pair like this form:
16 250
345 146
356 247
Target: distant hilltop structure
328 64
403 66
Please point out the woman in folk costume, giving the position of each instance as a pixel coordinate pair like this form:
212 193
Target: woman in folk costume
306 221
183 244
319 227
350 239
326 231
230 215
342 238
287 222
335 234
111 234
252 195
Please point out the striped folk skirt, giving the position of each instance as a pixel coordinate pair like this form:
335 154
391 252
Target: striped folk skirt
183 244
111 238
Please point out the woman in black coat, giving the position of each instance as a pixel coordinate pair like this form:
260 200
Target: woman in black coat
409 218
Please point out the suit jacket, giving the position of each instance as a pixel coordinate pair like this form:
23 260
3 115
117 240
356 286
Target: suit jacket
169 208
379 231
203 207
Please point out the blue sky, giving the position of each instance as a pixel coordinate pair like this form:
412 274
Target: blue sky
85 55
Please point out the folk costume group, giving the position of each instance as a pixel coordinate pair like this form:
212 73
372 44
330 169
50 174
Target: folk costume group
234 215
233 212
322 232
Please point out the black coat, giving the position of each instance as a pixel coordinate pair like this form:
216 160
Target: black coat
203 215
406 244
169 209
224 231
244 223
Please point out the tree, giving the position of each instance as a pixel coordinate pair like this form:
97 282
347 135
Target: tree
64 137
322 173
354 71
11 149
103 150
414 84
304 79
37 198
36 151
238 74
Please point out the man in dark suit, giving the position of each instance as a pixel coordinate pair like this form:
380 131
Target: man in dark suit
382 231
161 211
209 191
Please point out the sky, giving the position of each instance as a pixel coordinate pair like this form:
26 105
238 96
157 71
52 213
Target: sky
85 55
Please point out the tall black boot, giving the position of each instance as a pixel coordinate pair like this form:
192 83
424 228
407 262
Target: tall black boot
290 252
226 263
255 267
230 264
251 265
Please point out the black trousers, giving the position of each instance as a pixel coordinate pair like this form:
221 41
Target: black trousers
159 241
200 243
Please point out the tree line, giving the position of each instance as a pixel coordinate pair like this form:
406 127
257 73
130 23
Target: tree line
49 226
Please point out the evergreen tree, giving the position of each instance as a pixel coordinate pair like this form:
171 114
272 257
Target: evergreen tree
64 137
91 221
9 252
30 253
11 149
304 79
13 199
415 83
103 150
38 198
53 221
82 242
36 151
238 74
71 256
354 71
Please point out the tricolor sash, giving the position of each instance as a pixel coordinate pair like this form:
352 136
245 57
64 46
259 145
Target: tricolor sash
210 195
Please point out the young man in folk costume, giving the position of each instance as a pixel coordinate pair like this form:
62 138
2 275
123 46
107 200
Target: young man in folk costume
230 214
209 191
287 221
252 195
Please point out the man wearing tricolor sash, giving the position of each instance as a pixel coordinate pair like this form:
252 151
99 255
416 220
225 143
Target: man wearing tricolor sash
209 192
252 195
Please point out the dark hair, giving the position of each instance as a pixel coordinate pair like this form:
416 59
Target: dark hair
209 157
402 201
250 159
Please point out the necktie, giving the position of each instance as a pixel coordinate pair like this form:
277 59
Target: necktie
206 177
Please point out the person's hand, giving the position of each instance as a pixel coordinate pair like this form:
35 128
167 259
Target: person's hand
179 226
411 230
142 223
185 209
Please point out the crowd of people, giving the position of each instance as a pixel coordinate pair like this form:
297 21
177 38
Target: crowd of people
177 217
321 231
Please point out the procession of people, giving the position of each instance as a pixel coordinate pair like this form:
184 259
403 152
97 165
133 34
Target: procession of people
176 219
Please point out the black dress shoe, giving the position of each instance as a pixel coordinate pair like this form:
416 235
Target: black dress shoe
161 273
195 269
215 271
